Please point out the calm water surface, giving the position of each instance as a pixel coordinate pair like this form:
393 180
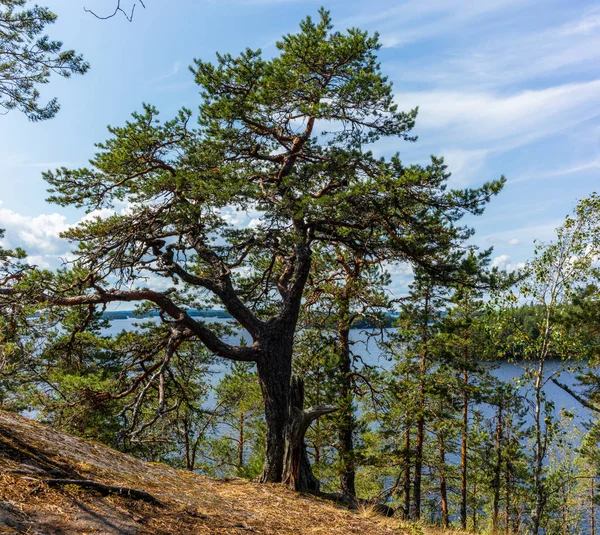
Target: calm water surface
366 347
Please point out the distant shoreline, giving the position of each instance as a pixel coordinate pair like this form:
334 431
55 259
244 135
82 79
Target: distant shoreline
131 314
221 314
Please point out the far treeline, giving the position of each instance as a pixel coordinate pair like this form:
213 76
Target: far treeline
363 323
428 433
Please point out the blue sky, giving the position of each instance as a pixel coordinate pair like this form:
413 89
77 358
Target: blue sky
504 87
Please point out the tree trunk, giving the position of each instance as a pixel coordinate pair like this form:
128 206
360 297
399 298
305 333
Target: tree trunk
497 470
406 481
416 514
421 419
347 422
275 374
240 448
297 473
507 498
443 483
463 454
188 451
474 512
538 452
285 452
592 510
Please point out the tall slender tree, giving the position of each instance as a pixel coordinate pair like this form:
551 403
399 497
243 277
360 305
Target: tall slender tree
559 270
344 291
418 325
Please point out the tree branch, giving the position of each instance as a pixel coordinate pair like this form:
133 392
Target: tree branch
118 9
206 336
576 396
103 489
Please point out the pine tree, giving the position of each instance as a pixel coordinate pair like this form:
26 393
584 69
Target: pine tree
345 290
465 345
29 58
418 324
261 145
237 447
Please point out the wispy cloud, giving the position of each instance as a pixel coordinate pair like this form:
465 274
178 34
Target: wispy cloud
575 168
502 56
466 166
589 23
407 22
174 71
488 120
526 235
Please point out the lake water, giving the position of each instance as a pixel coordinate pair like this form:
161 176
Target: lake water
366 347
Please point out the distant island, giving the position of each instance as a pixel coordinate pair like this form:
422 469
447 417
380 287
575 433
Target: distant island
222 314
127 314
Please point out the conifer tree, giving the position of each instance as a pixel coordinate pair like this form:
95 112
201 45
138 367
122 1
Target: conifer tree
29 58
288 137
237 445
345 290
418 325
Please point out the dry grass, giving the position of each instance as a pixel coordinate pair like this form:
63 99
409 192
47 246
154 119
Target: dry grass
193 504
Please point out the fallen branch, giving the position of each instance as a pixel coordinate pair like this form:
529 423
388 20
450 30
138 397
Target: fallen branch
103 489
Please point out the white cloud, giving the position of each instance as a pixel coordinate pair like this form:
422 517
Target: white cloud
403 269
101 213
503 262
254 223
39 236
466 166
514 241
500 261
250 218
478 119
586 25
42 230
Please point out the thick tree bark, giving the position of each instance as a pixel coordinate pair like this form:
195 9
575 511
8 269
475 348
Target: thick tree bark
275 375
297 474
274 366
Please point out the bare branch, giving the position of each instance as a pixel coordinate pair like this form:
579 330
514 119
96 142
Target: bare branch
118 9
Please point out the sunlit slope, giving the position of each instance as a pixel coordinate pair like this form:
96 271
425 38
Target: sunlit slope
34 498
